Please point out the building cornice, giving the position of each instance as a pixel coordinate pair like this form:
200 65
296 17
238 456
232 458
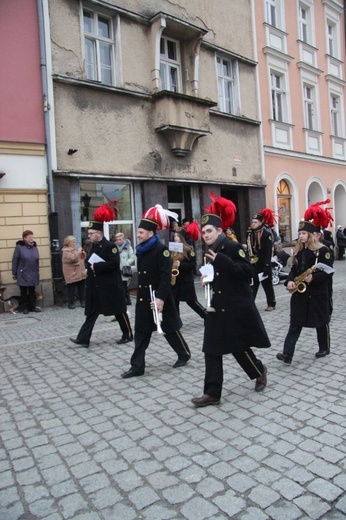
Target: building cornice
301 156
18 148
234 55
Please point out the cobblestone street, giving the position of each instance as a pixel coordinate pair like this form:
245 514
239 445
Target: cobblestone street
79 442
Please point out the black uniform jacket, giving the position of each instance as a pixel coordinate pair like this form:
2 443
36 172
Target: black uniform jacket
184 288
311 308
155 269
236 324
104 287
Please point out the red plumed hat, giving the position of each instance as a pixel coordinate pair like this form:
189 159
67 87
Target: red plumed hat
160 216
320 217
269 216
193 231
223 208
104 213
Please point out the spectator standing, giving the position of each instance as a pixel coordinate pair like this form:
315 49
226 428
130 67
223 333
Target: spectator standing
25 269
73 268
340 242
127 258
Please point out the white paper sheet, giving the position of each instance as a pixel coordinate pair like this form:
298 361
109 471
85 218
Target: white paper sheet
208 271
95 259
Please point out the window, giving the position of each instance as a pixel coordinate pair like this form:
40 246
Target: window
99 47
278 97
272 12
303 24
335 116
170 64
331 39
309 107
226 84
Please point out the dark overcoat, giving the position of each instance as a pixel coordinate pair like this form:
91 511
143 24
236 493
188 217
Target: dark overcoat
236 324
311 308
264 252
25 264
184 288
155 269
104 287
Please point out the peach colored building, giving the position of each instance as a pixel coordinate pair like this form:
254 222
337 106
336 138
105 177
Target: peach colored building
302 80
23 163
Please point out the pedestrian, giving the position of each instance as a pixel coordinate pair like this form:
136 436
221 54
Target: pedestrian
154 271
104 290
183 268
340 242
73 268
25 269
260 249
310 306
235 326
127 258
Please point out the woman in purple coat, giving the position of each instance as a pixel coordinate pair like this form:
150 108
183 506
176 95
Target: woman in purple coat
25 269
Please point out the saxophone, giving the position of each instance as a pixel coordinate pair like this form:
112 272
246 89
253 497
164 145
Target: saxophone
299 281
175 272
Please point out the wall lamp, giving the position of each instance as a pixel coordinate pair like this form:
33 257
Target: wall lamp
2 174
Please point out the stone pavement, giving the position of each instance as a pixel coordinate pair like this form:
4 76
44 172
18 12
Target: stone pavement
79 442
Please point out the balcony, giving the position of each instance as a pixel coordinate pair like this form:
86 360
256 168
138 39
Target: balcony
181 119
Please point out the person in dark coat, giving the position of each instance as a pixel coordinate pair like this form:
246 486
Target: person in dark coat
25 269
104 290
260 249
183 285
310 305
235 326
154 269
341 243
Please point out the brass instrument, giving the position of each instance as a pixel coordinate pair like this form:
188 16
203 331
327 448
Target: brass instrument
175 272
299 281
208 294
156 314
253 257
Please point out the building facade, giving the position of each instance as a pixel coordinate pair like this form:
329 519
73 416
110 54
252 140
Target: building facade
23 159
301 65
154 103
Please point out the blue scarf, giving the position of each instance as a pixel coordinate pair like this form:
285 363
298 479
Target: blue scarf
148 245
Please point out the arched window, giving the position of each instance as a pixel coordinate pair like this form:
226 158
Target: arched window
284 211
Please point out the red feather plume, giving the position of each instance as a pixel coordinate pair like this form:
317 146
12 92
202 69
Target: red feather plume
160 216
193 231
319 216
224 208
269 216
104 213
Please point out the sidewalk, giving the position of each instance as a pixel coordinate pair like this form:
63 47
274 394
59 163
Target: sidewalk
80 443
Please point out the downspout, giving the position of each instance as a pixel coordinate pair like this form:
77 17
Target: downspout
47 102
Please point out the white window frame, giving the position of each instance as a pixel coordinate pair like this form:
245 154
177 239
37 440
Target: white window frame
97 41
278 96
272 13
228 85
309 100
332 39
335 115
168 65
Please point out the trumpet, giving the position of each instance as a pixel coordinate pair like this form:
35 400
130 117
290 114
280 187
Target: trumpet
299 281
156 314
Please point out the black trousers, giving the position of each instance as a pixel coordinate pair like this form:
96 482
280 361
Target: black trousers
71 291
85 332
127 292
142 340
28 297
323 339
268 289
195 306
213 379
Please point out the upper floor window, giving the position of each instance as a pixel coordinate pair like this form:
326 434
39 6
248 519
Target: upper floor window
335 115
278 96
272 12
227 85
309 107
170 64
331 39
99 46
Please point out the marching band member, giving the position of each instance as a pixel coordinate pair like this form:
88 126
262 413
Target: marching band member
183 286
235 325
310 306
154 271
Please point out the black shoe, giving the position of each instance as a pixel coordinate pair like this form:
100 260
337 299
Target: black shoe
283 357
205 400
25 311
322 353
261 381
36 309
180 363
79 343
132 373
122 341
129 302
82 304
71 306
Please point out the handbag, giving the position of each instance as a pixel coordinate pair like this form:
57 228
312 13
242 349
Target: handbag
127 271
